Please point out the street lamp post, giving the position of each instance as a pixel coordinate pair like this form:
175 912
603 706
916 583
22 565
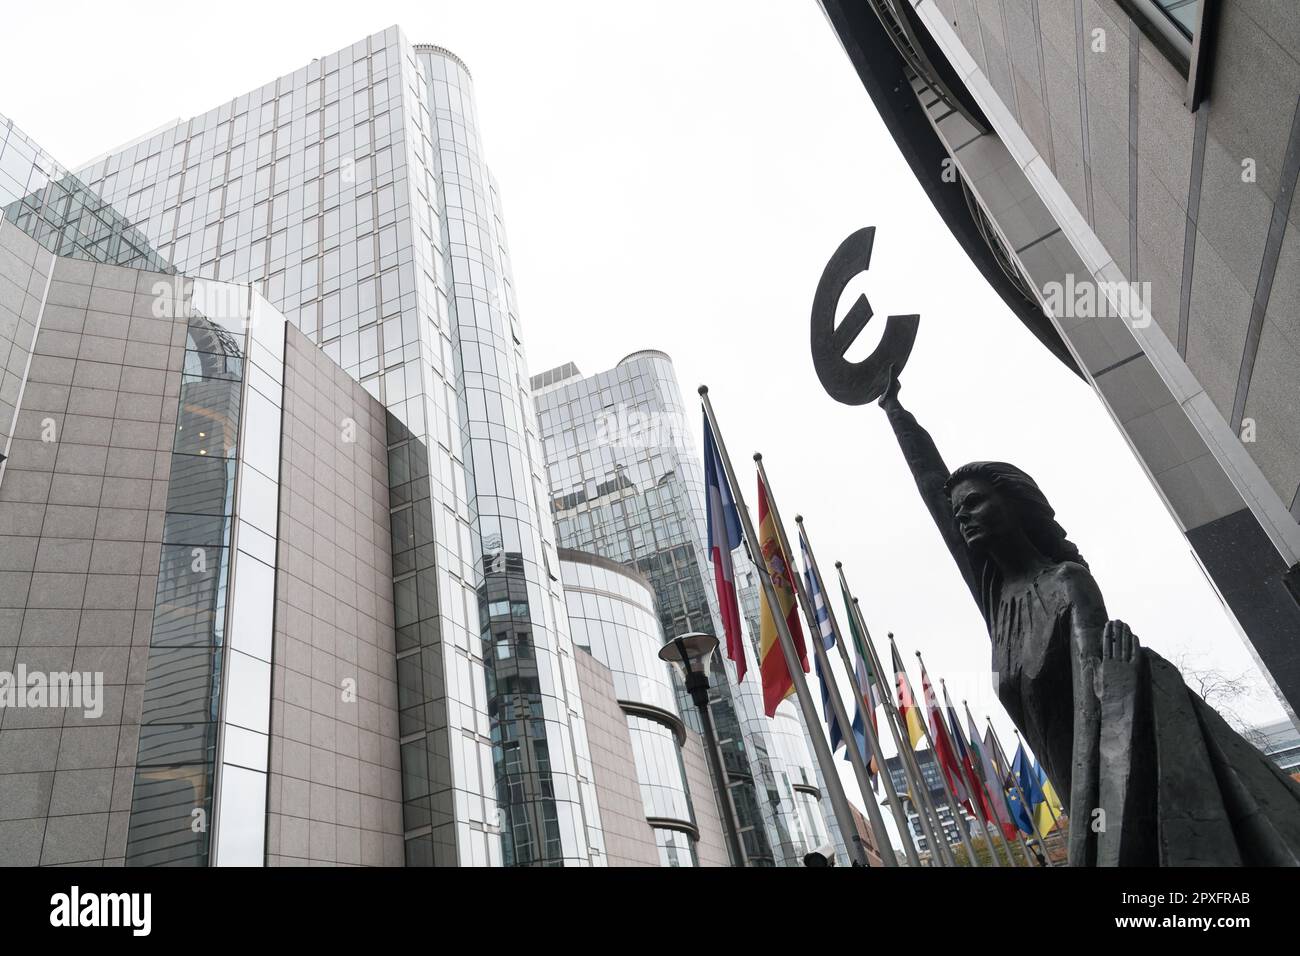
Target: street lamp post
692 654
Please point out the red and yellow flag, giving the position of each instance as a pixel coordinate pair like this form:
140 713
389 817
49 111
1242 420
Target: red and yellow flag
777 682
906 704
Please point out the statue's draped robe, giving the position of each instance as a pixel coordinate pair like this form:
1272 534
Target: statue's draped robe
1177 785
1189 791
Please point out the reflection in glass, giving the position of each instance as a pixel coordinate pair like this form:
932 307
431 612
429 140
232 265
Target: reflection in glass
175 763
60 212
675 848
659 769
163 805
1183 13
190 606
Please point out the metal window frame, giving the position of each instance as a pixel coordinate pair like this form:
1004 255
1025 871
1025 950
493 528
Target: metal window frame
1192 56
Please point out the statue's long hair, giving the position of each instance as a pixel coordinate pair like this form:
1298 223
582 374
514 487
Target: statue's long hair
1036 515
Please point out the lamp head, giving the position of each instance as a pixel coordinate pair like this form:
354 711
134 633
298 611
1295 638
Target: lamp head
690 653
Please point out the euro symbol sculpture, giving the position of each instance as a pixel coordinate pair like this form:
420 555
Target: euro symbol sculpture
855 383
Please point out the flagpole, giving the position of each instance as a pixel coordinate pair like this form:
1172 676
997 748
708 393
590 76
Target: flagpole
943 777
1015 781
977 788
884 844
911 771
1002 792
1042 837
839 802
868 719
1024 801
926 812
976 805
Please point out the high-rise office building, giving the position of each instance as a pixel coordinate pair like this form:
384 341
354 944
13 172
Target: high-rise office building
626 483
1122 172
353 195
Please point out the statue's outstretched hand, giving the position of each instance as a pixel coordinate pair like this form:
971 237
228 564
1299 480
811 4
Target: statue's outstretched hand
890 396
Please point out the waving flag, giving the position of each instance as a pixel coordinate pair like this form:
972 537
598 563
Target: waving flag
978 801
1026 775
777 682
724 537
992 778
867 680
943 751
827 634
870 700
906 705
1018 812
1049 811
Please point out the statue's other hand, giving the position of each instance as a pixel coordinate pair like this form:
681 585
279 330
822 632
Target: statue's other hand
1116 677
890 396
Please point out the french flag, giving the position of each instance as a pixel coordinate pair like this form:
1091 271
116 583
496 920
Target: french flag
724 537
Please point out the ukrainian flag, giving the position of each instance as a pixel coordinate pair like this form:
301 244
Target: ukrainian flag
1043 815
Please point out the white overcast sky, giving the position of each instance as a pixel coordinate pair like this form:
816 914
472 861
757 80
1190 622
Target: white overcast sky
675 176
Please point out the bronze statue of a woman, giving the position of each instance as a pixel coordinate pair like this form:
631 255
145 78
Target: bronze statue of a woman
1150 773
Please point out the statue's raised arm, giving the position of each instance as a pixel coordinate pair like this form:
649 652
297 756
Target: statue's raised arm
931 474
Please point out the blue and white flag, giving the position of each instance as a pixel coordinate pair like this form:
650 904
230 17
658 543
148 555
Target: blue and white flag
827 634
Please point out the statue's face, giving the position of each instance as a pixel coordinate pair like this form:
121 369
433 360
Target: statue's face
982 514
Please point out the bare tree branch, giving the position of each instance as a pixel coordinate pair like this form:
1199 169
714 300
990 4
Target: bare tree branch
1224 692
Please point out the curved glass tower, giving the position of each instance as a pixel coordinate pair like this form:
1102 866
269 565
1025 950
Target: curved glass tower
539 748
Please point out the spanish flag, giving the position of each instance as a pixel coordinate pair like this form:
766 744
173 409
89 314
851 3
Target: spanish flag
777 682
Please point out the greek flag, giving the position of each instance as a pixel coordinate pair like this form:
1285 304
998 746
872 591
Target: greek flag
827 634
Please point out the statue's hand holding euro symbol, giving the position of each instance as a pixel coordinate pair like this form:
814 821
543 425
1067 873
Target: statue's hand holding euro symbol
856 383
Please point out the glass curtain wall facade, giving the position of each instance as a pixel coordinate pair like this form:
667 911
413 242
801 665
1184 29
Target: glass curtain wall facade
56 208
627 483
352 195
612 616
539 747
176 765
205 723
